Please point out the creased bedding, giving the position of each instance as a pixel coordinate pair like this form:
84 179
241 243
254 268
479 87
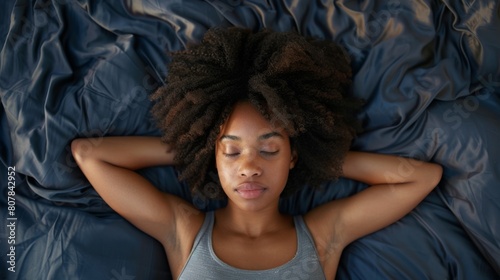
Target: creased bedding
428 70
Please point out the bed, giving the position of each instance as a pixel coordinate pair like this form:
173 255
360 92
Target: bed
428 71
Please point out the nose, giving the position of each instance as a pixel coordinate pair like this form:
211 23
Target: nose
249 167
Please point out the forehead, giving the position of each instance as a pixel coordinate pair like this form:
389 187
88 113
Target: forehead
246 120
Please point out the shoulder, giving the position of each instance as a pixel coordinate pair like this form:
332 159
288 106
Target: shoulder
326 227
179 240
328 235
186 224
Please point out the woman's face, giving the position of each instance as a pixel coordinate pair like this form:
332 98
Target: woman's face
253 159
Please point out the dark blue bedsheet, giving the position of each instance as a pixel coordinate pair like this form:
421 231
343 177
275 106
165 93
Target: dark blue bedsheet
429 71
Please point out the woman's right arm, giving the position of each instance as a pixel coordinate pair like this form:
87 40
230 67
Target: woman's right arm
109 164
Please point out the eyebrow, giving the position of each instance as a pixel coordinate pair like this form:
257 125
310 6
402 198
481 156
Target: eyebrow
261 137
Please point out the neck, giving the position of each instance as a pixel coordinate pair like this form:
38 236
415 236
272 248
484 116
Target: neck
251 223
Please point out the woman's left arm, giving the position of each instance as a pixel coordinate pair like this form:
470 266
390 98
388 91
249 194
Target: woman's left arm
397 186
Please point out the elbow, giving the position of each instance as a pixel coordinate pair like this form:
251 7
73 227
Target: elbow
435 173
80 149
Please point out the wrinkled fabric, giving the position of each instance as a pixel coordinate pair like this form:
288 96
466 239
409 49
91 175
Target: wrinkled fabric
428 71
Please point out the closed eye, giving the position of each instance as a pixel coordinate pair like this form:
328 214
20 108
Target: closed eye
229 155
269 153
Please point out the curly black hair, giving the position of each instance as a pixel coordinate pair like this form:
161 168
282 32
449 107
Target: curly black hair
297 83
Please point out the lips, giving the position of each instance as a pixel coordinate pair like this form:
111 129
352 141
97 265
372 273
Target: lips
250 190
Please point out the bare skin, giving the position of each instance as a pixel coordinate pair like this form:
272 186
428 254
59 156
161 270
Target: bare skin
253 159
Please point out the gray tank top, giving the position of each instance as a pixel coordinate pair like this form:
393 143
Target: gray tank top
204 264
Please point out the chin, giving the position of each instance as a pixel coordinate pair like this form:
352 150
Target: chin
255 205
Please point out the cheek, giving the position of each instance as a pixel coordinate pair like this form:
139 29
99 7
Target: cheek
223 170
282 170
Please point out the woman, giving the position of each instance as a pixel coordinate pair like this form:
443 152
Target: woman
268 113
